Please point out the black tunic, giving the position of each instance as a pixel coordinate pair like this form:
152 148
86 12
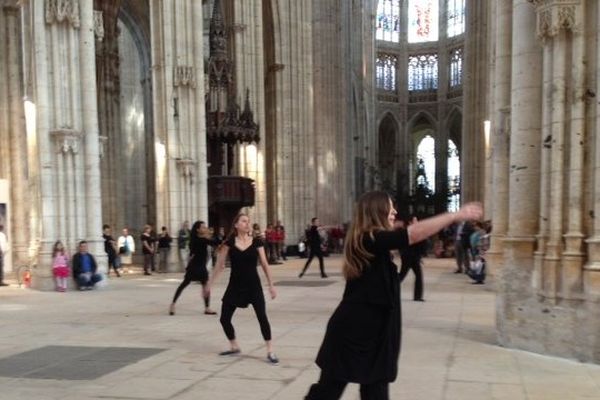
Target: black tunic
244 285
196 268
362 341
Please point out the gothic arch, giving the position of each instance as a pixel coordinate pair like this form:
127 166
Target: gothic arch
422 118
454 126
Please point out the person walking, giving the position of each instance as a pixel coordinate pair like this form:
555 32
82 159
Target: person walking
362 339
196 270
244 287
411 259
314 240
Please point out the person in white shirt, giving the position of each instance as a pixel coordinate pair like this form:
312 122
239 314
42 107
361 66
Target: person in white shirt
126 247
3 250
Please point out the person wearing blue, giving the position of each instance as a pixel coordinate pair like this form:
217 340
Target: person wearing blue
85 268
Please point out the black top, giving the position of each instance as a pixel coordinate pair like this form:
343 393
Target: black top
196 268
362 341
244 283
164 241
313 238
149 240
108 246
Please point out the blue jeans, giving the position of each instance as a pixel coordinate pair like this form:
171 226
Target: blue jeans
88 279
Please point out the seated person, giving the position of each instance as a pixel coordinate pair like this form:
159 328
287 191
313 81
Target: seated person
84 268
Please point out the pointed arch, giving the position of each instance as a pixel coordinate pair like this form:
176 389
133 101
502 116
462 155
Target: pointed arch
422 118
454 125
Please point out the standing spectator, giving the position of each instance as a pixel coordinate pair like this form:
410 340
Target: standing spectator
84 268
411 259
126 246
256 232
314 242
60 266
3 250
280 240
148 249
244 285
110 248
164 248
362 340
271 244
183 239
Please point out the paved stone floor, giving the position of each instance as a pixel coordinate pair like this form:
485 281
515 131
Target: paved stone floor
119 343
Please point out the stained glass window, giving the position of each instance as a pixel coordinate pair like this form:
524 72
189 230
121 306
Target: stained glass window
422 21
453 177
456 57
388 21
456 17
426 163
423 72
385 72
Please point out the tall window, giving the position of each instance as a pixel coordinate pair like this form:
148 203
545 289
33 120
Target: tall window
423 72
453 177
422 21
456 17
385 72
426 163
388 21
456 57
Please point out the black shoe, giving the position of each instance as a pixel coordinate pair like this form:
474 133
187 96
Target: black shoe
324 276
3 284
147 273
301 275
230 352
458 271
419 300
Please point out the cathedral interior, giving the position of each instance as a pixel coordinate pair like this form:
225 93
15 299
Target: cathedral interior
128 112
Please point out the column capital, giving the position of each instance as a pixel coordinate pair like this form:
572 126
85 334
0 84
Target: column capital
186 166
66 140
184 75
556 15
59 11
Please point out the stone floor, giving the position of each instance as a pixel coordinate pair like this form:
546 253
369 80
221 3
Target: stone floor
118 342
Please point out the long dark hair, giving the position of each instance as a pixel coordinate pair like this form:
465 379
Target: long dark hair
370 215
233 231
55 249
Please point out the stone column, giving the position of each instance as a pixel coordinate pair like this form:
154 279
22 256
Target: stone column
250 74
524 150
17 141
179 111
500 131
592 267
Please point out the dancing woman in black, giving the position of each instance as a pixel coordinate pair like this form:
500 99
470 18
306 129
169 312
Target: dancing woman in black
196 269
362 340
244 286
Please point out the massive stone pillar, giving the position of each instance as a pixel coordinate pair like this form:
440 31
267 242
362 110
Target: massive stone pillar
64 152
179 111
14 141
295 171
250 75
500 124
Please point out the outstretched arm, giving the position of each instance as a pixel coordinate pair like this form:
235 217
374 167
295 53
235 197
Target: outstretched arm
265 266
421 230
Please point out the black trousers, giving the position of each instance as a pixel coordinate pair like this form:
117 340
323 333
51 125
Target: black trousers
418 270
260 309
313 254
113 262
329 389
183 285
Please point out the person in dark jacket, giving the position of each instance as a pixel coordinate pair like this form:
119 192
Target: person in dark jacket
313 238
362 340
84 268
411 259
